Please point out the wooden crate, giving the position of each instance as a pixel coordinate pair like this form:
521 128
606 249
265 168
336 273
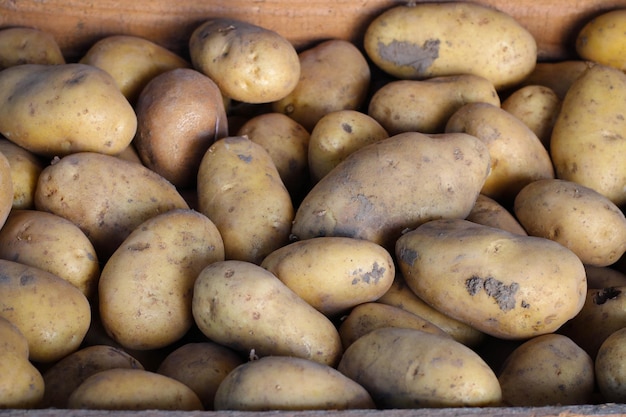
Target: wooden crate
77 24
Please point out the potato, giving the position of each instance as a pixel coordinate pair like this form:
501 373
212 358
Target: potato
366 317
401 296
599 277
12 339
489 212
55 110
426 105
601 39
180 113
333 274
6 189
336 135
145 288
51 313
506 285
132 61
26 45
586 144
21 384
610 369
64 376
408 368
25 170
105 196
577 217
240 190
249 63
133 389
558 75
453 38
517 155
53 244
202 366
360 197
547 370
538 107
288 383
287 143
243 306
334 75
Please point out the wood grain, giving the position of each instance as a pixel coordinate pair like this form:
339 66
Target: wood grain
76 24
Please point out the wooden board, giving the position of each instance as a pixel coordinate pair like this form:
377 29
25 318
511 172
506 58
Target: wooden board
76 24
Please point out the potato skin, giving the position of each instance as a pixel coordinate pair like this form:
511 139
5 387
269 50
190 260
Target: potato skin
609 367
21 384
249 63
25 170
408 368
601 39
506 285
6 189
243 306
72 108
12 339
296 384
25 45
454 38
359 197
489 212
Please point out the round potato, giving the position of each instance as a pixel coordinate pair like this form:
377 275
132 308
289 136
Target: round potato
333 274
408 368
202 366
133 389
26 45
25 170
288 383
601 39
579 218
180 113
334 75
21 384
453 38
547 370
55 110
610 368
51 243
243 306
489 212
132 61
336 135
506 285
145 288
426 105
249 63
51 313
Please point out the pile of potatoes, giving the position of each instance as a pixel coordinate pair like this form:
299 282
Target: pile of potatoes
430 219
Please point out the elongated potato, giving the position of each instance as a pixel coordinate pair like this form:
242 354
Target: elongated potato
506 285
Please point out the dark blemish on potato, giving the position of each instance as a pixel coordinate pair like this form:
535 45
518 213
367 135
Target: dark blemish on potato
245 158
458 154
524 304
403 53
140 246
408 256
76 78
474 285
346 127
27 279
256 315
229 273
5 278
372 276
504 295
364 208
605 295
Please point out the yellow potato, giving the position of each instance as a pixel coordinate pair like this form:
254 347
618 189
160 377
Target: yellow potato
601 39
517 155
586 144
21 384
145 288
105 196
453 38
55 110
132 61
334 75
51 243
243 306
426 105
12 339
180 113
64 376
26 45
610 369
547 370
408 368
336 135
25 170
506 285
489 212
240 190
6 189
333 274
133 389
249 63
577 217
202 366
359 198
288 383
51 313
